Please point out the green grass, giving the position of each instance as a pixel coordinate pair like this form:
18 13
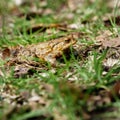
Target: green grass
88 71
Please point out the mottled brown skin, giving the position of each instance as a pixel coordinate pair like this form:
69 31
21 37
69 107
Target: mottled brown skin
46 51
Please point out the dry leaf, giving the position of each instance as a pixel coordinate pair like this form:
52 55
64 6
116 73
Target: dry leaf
110 62
5 53
115 91
113 49
115 42
113 3
104 36
74 4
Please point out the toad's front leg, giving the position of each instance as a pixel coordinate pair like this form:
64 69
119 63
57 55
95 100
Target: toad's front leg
51 58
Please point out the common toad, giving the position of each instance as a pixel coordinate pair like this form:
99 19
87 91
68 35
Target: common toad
45 51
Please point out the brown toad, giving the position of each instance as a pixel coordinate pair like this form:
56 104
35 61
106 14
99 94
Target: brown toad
45 51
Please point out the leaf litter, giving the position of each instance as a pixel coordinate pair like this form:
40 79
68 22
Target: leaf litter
22 58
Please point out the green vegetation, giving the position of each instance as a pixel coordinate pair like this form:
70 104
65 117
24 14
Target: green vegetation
81 88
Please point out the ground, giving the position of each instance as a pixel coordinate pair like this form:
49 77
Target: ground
59 60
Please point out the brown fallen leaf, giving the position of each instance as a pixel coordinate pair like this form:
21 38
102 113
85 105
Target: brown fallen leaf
104 36
5 53
115 42
113 3
115 91
75 4
112 45
109 63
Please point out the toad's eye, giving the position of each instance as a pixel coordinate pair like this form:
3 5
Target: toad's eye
67 41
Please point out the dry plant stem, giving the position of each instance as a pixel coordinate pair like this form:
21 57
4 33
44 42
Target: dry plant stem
3 25
3 12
